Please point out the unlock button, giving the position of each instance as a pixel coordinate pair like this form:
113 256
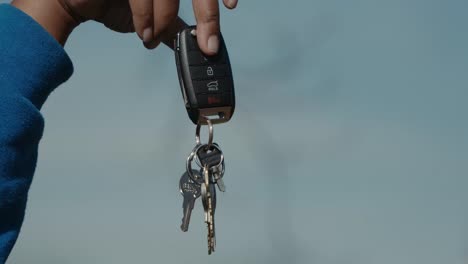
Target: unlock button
208 72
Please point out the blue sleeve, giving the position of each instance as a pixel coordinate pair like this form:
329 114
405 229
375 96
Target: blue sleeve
32 65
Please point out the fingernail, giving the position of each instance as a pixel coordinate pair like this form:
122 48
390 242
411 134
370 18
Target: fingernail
213 43
147 35
232 3
152 44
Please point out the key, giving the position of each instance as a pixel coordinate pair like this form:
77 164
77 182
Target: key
203 154
208 193
213 209
204 195
206 82
218 173
191 191
221 185
211 227
210 156
214 159
218 177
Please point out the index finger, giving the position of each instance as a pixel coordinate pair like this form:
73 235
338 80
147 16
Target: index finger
207 16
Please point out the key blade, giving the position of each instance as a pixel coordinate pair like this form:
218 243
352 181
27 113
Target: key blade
190 191
189 204
210 224
221 186
213 198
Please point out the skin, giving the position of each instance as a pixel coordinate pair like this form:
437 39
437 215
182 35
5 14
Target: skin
154 21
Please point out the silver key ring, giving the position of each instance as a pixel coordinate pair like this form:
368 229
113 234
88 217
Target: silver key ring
188 165
210 132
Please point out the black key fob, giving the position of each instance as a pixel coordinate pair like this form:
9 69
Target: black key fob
206 81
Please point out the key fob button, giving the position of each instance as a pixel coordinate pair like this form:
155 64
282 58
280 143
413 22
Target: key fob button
212 86
197 58
214 100
191 41
208 71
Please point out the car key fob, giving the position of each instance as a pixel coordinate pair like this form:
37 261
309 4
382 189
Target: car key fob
206 81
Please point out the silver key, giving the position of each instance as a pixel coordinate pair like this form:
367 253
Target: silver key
220 184
208 193
191 191
209 155
212 157
213 209
218 173
204 188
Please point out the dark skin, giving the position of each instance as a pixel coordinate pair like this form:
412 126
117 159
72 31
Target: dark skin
154 21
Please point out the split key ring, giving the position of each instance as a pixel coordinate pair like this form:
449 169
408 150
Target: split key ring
210 131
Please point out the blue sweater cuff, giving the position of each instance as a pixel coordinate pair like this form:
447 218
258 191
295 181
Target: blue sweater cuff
32 63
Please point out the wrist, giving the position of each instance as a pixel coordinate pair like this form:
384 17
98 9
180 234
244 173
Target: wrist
50 15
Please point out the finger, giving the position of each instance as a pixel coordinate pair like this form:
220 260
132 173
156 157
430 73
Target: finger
143 21
165 13
207 15
120 19
231 4
170 34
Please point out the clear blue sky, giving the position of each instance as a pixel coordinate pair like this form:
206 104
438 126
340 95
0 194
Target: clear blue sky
348 146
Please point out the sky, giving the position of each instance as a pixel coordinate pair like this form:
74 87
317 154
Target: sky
348 144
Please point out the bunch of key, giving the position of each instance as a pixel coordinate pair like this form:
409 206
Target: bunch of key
208 91
200 181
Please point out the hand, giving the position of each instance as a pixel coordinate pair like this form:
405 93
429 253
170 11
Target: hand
150 18
153 20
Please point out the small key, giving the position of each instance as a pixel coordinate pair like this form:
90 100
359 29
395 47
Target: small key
210 156
191 191
221 185
218 173
206 81
214 159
